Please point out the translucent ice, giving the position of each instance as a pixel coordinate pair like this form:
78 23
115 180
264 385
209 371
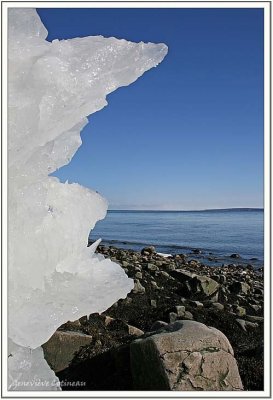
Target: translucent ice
53 276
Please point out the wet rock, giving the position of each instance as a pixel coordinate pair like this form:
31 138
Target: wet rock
185 355
196 251
60 348
234 255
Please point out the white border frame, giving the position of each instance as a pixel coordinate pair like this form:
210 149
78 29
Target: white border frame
266 5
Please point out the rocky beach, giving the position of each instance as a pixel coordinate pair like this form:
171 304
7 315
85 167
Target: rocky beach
215 312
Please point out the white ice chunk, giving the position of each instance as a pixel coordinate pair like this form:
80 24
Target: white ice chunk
28 370
53 87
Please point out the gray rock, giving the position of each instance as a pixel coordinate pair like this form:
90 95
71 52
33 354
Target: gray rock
152 267
153 303
59 350
132 330
188 315
240 311
172 316
158 325
255 318
181 275
125 263
138 275
180 310
154 284
185 355
245 325
148 250
204 286
196 304
138 288
239 287
218 306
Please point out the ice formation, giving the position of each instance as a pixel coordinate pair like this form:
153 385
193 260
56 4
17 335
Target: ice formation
53 276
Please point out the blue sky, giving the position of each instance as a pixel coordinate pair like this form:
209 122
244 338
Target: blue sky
188 134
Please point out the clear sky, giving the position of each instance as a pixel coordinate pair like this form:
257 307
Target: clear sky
188 134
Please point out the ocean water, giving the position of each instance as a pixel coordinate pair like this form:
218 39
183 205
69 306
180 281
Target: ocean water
217 233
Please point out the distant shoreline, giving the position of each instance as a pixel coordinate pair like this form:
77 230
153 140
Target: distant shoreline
190 211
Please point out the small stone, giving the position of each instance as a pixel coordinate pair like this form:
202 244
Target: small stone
148 250
255 307
124 263
152 267
196 304
218 306
133 331
255 318
188 315
158 325
242 324
153 303
239 287
138 275
240 311
180 310
138 288
172 317
154 284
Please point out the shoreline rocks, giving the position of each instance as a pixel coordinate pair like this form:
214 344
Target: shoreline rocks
171 289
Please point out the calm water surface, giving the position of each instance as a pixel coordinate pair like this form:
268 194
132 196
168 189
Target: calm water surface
216 233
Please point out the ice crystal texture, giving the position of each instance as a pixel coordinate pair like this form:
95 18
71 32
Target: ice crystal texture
53 276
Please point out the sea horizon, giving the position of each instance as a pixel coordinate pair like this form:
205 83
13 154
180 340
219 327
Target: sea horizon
217 233
197 210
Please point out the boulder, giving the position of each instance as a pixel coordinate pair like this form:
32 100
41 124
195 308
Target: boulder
184 355
59 350
203 286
